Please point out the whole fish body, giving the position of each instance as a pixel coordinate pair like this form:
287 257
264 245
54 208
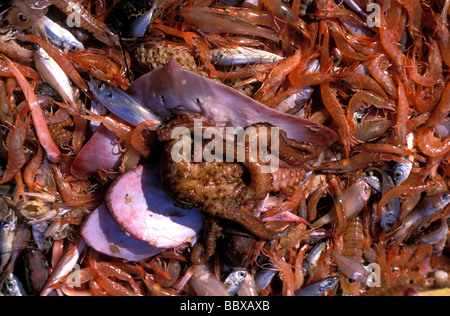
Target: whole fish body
53 74
242 56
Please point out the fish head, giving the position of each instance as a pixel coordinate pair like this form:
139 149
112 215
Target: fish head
102 90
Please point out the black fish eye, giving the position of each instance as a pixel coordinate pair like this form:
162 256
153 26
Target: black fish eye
445 196
101 86
73 47
21 17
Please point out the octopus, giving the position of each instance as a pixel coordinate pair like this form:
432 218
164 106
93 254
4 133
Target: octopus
221 190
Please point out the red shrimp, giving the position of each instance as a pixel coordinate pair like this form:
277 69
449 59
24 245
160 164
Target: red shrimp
14 143
405 189
286 272
334 107
99 29
26 71
32 169
414 8
390 45
364 99
338 197
434 70
363 82
342 44
378 68
276 77
43 134
281 11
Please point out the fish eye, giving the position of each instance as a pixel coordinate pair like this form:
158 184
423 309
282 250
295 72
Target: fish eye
397 174
101 86
21 17
242 274
445 196
73 47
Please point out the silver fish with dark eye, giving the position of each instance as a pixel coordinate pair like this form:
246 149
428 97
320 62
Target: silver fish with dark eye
318 288
60 36
12 287
235 280
121 104
421 216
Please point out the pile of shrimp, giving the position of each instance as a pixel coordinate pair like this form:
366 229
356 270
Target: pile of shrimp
376 72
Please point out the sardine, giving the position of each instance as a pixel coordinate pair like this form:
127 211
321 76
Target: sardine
318 288
420 217
242 56
13 287
53 74
310 262
437 233
401 171
121 103
235 280
390 211
60 36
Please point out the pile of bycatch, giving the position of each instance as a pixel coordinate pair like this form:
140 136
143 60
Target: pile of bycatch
224 147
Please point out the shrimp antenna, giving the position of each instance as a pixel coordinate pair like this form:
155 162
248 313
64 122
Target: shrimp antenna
118 30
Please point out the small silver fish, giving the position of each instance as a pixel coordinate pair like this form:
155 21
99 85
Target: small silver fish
430 237
13 287
390 211
310 262
121 104
235 280
242 56
318 288
420 217
53 74
60 36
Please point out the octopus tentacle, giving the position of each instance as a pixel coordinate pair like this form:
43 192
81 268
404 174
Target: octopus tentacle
287 178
